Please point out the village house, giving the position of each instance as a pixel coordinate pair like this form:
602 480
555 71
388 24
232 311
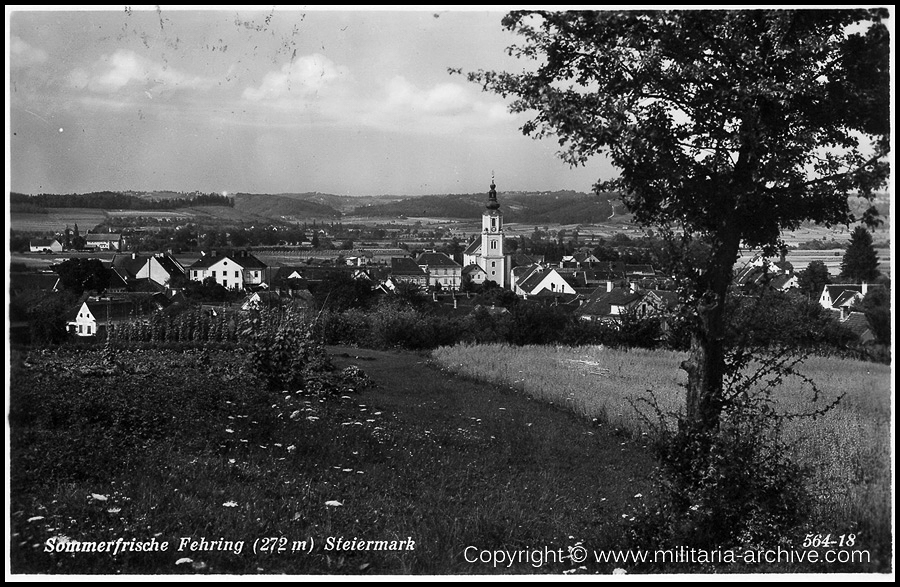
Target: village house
534 279
160 268
96 313
609 304
104 242
239 270
405 270
45 245
474 274
842 297
443 272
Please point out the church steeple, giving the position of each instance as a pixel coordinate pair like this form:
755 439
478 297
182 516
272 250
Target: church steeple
492 196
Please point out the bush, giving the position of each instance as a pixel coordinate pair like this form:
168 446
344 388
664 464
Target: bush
285 353
732 488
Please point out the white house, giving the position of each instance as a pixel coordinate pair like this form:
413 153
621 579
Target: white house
533 280
235 271
104 241
94 314
41 245
441 270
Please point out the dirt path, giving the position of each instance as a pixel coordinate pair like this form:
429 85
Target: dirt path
567 451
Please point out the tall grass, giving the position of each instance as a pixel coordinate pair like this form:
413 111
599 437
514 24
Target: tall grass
847 451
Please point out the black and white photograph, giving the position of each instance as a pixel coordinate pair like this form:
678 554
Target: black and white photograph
432 292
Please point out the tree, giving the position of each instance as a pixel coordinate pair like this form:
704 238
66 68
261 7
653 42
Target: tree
814 278
80 275
727 128
860 262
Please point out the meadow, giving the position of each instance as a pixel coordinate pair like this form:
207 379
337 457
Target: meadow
848 451
161 446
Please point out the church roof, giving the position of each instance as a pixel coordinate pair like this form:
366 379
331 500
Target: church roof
436 260
473 247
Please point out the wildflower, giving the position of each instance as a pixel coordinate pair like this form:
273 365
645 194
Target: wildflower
114 510
184 560
99 497
333 503
291 448
639 495
35 518
229 431
230 504
619 572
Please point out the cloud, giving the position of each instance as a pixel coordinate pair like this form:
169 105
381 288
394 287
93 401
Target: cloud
21 54
110 74
445 107
301 78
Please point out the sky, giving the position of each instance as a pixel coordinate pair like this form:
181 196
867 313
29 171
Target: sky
350 102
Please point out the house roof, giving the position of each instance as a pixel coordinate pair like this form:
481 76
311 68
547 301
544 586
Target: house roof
472 268
601 302
845 298
245 261
32 281
835 291
473 247
642 269
406 266
114 310
857 323
102 237
521 259
436 260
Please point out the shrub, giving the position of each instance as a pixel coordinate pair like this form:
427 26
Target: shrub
284 351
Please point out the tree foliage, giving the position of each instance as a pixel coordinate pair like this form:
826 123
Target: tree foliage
860 262
727 127
80 275
814 278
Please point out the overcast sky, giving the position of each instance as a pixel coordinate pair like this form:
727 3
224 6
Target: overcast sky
346 102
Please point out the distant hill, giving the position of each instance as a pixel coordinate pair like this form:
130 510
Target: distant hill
282 205
560 207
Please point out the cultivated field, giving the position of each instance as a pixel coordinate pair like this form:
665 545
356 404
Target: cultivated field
56 220
848 451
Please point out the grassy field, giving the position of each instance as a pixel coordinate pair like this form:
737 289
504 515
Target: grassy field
56 220
848 451
185 445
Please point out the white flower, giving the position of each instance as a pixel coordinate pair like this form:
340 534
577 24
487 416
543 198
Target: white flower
291 448
35 518
114 510
333 503
620 572
99 497
229 431
184 560
230 504
639 495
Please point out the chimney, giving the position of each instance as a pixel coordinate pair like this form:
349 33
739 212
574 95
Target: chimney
865 288
609 285
133 255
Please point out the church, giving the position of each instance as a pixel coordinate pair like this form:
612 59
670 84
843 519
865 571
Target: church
487 252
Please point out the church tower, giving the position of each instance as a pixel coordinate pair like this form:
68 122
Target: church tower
493 259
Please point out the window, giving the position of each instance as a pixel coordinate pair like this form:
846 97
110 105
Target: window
493 244
235 273
88 329
214 274
79 328
493 263
195 274
493 223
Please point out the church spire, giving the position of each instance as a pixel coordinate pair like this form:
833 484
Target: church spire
492 196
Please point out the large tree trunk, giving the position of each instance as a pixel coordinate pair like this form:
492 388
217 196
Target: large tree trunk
705 365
